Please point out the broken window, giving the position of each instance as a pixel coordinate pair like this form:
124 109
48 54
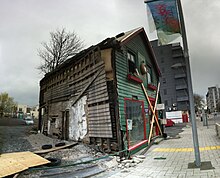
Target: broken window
131 62
149 74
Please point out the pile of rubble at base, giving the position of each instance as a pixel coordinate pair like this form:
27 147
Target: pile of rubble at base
79 154
125 164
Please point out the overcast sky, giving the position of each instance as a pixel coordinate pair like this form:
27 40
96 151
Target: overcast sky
24 24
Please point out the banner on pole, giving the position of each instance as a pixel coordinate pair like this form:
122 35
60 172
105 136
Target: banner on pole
166 19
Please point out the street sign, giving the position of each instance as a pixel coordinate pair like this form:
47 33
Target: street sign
160 106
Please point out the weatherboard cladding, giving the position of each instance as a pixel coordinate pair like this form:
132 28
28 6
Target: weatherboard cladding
69 82
99 119
126 88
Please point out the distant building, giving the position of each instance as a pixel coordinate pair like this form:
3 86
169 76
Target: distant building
24 110
212 98
21 110
174 88
34 112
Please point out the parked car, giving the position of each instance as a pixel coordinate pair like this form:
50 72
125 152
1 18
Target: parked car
170 123
28 120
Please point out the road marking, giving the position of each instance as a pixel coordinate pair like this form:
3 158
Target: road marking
186 149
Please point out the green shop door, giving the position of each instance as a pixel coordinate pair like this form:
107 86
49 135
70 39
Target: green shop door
135 120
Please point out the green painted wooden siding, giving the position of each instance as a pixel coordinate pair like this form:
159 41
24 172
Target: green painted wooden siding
126 88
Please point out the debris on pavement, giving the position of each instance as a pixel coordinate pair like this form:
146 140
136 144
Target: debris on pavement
124 164
78 154
160 158
158 140
76 159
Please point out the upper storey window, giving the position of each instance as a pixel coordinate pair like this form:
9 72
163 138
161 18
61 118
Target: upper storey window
149 74
131 62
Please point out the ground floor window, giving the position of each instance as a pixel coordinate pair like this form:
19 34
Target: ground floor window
136 122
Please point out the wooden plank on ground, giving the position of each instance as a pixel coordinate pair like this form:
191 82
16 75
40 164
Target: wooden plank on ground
28 159
10 166
12 163
54 149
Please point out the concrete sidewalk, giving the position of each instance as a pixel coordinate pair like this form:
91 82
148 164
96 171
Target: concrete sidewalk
170 158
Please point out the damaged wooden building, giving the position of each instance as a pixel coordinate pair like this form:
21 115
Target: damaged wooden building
96 96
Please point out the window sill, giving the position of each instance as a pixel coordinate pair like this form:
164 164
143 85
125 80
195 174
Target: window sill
134 78
152 87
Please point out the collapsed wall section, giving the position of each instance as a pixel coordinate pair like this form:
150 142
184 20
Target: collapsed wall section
75 102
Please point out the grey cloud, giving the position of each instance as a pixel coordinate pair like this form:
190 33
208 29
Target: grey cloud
203 38
26 23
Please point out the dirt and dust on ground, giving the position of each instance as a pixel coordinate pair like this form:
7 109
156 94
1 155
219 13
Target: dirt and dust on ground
81 160
15 136
76 161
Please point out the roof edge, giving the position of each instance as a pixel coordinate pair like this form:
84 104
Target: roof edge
149 46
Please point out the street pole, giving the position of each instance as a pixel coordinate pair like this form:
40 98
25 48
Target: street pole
204 118
189 82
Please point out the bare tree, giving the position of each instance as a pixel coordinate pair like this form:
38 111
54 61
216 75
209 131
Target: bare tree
61 46
199 102
7 104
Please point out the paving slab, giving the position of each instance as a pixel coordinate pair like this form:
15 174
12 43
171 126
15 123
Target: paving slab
174 155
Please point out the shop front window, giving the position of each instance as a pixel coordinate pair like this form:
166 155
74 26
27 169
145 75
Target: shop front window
131 62
135 121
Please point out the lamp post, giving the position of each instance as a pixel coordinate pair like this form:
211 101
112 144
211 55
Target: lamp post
189 82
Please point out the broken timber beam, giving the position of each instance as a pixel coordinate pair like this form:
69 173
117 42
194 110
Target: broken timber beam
54 149
152 121
84 89
151 107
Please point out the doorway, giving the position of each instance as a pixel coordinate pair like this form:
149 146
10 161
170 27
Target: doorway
65 125
135 121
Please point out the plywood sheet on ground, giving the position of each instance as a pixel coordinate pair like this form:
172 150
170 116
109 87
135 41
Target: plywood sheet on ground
11 163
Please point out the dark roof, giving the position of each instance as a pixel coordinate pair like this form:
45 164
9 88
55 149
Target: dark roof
116 41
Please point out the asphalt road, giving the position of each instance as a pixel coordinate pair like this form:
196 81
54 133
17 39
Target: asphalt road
12 135
13 132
